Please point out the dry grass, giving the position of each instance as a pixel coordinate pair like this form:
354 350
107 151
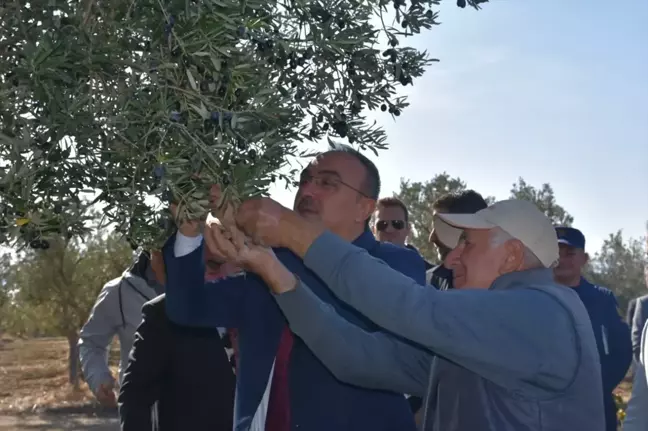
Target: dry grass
33 376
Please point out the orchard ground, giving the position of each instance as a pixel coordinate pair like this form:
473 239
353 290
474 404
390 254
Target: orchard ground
35 394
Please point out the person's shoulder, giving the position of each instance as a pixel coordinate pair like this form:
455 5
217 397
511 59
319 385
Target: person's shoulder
110 289
155 309
393 251
156 303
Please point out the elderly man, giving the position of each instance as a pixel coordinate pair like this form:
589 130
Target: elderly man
516 351
281 385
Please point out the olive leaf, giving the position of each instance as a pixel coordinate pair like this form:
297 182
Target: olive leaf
147 102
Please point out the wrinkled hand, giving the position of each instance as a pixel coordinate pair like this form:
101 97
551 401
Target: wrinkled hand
106 395
233 247
264 220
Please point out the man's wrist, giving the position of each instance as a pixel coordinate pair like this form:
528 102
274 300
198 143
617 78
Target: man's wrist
278 277
298 234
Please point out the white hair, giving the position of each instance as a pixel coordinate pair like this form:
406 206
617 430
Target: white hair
499 236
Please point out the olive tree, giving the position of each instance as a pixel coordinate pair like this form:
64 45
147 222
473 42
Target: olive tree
140 102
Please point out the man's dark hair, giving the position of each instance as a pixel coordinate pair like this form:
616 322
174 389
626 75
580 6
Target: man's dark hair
466 202
391 202
371 183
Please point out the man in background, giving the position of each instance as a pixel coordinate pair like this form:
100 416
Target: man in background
611 332
637 318
466 202
637 411
184 372
117 311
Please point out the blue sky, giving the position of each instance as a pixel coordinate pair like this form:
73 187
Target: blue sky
553 91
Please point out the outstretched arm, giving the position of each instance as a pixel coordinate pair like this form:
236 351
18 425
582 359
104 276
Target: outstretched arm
375 360
493 333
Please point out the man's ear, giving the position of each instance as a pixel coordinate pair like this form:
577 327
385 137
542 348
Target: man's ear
514 257
586 257
367 209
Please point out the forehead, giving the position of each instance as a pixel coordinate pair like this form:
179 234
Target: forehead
475 234
341 163
390 212
569 249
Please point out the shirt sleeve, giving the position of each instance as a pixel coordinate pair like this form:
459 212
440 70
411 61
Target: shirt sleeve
96 337
493 333
375 360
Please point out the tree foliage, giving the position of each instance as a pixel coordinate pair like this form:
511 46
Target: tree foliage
544 199
131 100
620 266
53 290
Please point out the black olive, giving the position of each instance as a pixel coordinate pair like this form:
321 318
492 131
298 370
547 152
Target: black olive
35 244
325 127
238 92
351 139
252 154
397 112
429 14
293 64
222 91
404 23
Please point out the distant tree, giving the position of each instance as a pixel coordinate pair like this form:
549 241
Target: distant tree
419 197
545 200
620 265
56 288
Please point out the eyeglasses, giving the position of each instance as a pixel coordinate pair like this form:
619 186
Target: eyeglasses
381 225
329 182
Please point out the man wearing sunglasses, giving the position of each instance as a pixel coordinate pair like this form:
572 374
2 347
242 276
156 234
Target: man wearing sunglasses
392 221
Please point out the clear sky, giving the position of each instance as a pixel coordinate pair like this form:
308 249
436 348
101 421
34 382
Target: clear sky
553 91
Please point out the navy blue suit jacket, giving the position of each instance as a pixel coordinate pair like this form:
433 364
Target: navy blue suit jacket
319 402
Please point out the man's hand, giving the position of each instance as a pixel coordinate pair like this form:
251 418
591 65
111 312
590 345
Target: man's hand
255 258
106 395
189 228
268 222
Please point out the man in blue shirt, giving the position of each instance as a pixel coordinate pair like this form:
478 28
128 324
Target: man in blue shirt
281 385
611 332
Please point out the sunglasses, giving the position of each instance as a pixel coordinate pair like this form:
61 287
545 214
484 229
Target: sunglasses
381 225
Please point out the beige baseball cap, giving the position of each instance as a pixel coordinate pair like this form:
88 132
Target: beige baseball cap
519 218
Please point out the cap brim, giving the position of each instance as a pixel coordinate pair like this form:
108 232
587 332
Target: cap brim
466 221
567 243
446 234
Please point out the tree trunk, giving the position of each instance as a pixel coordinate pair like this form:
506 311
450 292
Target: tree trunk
73 359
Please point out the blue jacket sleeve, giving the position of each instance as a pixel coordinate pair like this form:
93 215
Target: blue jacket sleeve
492 333
618 355
191 301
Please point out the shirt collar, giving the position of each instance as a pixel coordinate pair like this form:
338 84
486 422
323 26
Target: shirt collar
366 240
529 276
